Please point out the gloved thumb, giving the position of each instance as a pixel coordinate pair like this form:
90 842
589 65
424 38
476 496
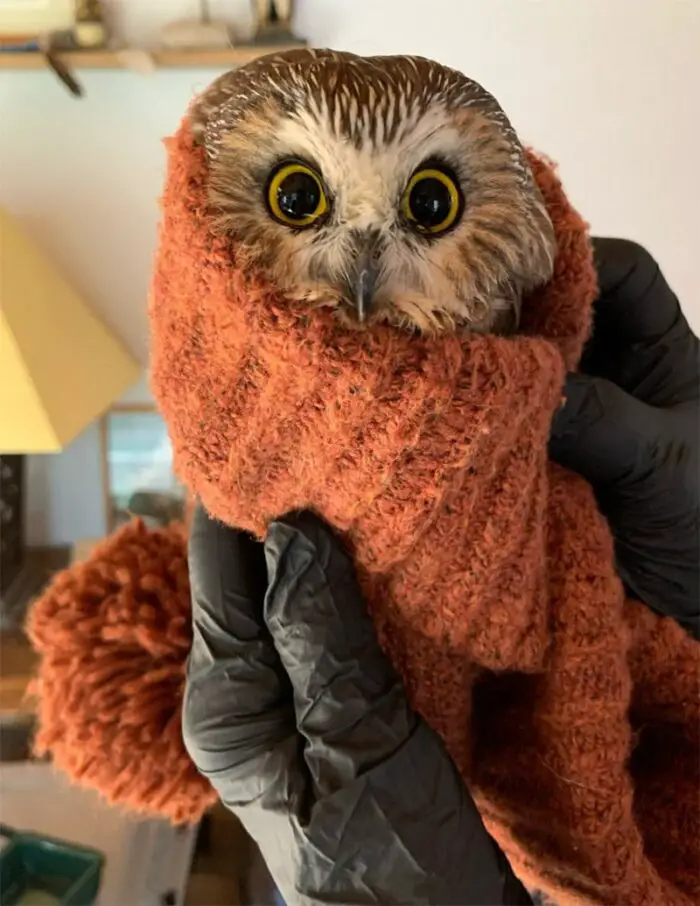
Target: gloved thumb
350 705
603 433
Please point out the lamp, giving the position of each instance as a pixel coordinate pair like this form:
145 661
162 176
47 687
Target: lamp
60 367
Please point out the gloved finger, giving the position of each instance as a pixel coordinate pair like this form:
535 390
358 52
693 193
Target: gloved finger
389 806
350 705
643 465
640 305
238 704
603 433
641 340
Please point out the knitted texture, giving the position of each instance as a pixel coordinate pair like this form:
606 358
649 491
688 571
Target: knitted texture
572 713
489 570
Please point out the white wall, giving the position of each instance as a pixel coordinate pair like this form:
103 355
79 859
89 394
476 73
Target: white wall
608 89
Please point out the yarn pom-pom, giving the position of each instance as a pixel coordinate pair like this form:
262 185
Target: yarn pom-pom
113 635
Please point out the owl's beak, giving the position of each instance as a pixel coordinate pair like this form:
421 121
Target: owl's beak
365 273
364 292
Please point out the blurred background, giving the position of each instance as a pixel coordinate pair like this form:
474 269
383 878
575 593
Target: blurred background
606 90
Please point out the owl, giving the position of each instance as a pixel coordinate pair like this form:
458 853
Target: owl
391 189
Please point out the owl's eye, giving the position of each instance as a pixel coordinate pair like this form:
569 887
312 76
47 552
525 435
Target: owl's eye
295 195
432 201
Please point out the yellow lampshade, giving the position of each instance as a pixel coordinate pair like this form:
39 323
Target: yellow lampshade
60 367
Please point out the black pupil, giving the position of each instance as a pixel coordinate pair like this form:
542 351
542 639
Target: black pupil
430 202
298 196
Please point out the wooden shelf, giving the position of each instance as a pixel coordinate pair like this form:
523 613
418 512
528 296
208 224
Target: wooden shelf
144 60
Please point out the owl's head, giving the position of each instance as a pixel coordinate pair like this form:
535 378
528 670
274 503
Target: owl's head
393 189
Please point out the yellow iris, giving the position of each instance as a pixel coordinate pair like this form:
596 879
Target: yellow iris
295 195
432 201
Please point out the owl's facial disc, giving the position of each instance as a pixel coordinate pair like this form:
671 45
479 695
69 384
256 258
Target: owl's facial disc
430 205
391 189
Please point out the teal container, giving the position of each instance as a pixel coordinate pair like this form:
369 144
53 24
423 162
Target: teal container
40 871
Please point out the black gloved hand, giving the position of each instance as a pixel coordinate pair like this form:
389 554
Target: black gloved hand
294 714
630 426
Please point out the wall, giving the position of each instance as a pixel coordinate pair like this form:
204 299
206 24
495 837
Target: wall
609 90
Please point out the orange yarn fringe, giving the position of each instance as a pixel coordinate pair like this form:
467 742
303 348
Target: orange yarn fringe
114 634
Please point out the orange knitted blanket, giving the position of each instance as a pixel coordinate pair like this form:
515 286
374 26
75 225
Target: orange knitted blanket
572 713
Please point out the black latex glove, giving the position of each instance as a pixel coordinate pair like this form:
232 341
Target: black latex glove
630 426
294 714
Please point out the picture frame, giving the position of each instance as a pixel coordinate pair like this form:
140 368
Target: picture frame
137 468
